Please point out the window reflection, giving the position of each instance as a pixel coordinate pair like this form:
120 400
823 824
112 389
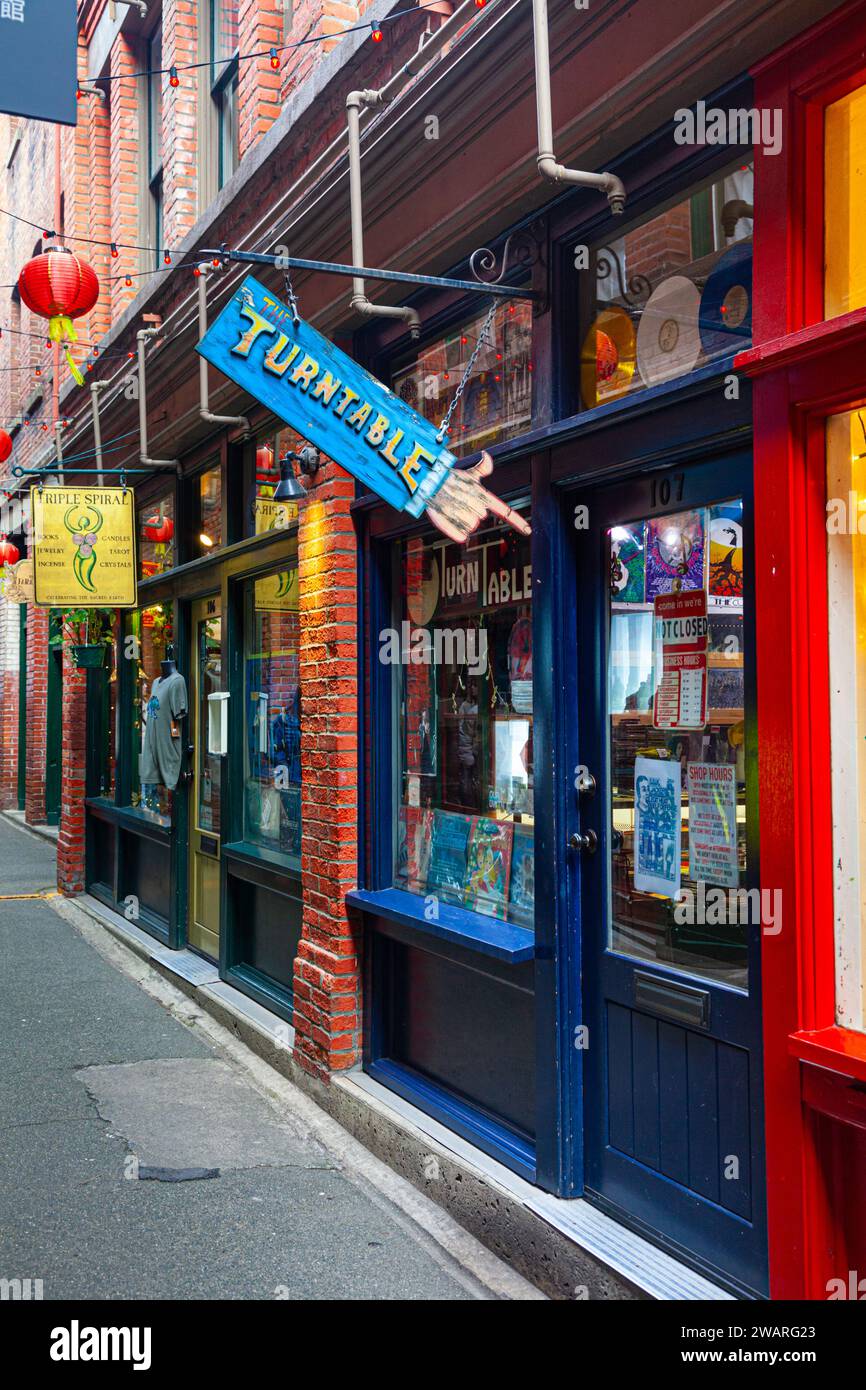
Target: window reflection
272 744
497 399
670 294
463 654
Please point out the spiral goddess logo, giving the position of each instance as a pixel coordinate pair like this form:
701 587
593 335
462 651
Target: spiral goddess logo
84 525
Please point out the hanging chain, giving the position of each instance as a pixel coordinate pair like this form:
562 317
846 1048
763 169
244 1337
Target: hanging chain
446 421
292 297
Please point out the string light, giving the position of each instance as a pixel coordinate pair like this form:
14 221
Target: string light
173 79
114 251
375 33
275 60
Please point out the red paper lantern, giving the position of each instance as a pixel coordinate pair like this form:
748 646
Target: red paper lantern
9 553
5 446
59 286
160 532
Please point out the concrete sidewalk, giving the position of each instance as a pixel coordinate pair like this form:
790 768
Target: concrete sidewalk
110 1100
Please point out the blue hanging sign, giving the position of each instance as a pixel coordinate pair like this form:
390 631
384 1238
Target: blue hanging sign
39 59
338 406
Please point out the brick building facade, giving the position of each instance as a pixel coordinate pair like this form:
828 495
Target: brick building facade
466 904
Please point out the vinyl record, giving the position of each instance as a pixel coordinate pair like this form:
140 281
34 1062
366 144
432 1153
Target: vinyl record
607 358
726 304
668 341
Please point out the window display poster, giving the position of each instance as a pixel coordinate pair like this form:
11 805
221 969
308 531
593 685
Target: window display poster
523 873
712 792
681 636
674 551
488 867
627 564
447 870
726 555
657 826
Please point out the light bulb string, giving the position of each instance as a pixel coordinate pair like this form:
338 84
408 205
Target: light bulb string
268 52
49 234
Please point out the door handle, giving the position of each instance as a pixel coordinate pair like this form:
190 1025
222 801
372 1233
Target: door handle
588 842
189 771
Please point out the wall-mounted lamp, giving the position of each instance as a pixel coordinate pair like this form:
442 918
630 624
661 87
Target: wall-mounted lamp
289 488
205 540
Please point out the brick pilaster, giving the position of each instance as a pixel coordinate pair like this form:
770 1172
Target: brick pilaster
70 843
260 28
38 657
327 965
180 150
9 679
126 133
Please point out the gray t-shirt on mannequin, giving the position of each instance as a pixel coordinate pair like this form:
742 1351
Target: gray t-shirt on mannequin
161 753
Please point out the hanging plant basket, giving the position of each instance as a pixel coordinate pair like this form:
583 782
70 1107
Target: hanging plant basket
90 657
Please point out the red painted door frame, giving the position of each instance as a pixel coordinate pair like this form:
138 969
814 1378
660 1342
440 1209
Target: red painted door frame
803 370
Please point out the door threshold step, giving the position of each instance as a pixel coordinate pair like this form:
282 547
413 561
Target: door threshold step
658 1275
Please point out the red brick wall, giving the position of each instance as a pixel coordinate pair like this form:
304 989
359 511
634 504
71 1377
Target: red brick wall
9 678
127 131
327 966
180 152
37 693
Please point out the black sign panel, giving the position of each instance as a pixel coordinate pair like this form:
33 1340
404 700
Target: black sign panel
38 75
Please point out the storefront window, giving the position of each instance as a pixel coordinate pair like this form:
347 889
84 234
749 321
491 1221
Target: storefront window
156 541
272 705
671 294
846 558
497 399
844 196
157 711
264 513
676 708
209 506
463 650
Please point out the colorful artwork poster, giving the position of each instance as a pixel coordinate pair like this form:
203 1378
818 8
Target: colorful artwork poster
713 823
627 556
523 875
726 555
657 826
446 874
488 867
674 551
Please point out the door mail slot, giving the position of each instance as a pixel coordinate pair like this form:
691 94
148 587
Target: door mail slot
209 845
671 1000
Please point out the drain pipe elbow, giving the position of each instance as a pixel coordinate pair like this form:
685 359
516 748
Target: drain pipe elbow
355 103
607 183
204 409
144 336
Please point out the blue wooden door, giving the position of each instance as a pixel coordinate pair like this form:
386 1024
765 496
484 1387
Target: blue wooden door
667 851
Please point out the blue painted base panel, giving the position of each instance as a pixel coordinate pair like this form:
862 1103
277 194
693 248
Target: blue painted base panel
470 1124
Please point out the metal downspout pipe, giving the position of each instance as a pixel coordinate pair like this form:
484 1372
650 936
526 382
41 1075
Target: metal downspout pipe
144 336
358 101
547 165
204 393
